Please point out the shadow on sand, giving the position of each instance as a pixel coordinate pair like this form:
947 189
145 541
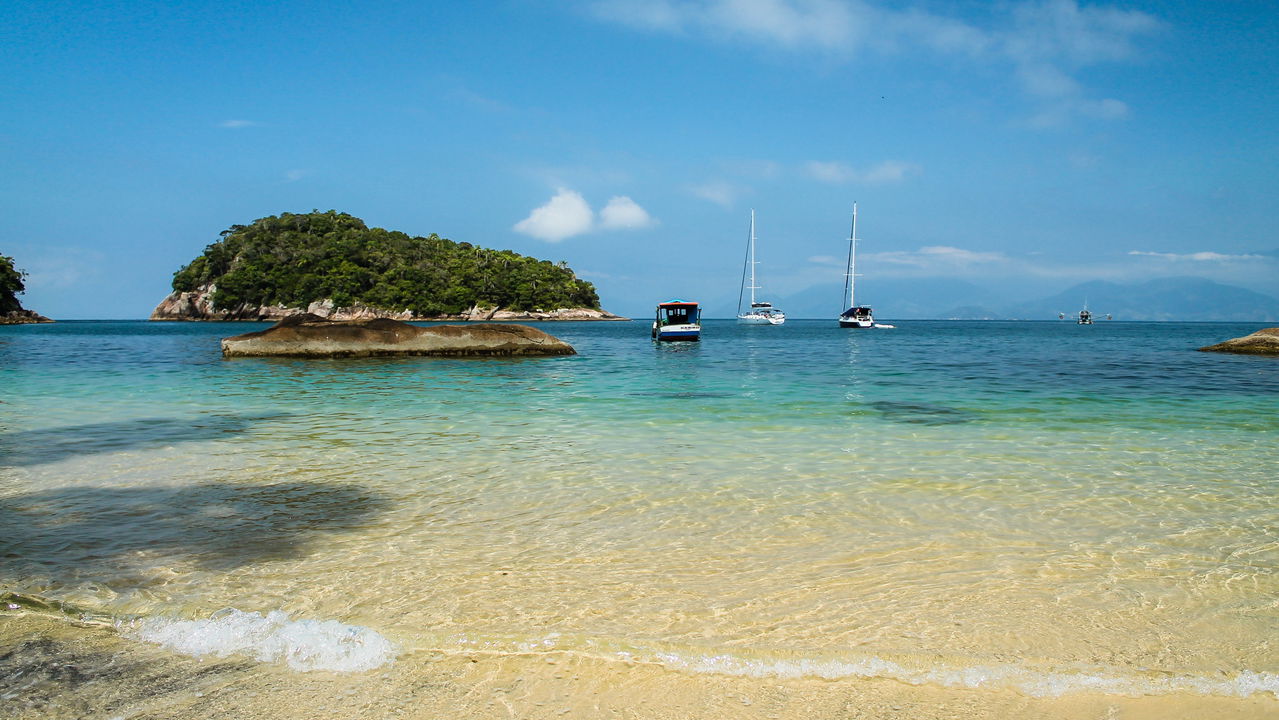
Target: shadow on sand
37 447
104 533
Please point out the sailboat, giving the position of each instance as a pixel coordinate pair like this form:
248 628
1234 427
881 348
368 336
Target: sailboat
760 313
856 316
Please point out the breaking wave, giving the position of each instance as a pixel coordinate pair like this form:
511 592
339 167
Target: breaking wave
302 644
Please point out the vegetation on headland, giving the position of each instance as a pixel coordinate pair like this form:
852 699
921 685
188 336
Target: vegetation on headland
11 285
294 260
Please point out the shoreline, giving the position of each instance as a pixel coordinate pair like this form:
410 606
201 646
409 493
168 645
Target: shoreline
59 669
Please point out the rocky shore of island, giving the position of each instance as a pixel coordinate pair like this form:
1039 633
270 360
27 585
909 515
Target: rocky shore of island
198 306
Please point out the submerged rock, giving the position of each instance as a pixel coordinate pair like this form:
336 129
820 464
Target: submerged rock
313 336
1262 342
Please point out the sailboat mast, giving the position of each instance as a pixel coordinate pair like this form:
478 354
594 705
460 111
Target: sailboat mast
852 259
753 259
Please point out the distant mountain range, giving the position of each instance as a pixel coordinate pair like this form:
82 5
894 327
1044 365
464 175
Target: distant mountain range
1176 298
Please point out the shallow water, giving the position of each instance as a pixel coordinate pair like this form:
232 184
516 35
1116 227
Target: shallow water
1030 506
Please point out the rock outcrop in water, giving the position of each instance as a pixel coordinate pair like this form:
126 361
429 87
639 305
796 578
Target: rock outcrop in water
22 317
314 336
11 286
1262 342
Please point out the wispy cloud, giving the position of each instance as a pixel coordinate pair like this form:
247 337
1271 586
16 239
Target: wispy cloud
238 124
720 193
939 257
795 24
887 172
1206 256
294 175
1045 44
567 214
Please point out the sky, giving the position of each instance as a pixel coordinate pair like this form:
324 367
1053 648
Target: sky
1018 146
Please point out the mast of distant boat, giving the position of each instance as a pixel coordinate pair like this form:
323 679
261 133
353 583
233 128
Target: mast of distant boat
849 276
750 260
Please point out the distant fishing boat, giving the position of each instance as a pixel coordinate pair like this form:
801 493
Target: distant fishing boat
677 320
856 316
760 313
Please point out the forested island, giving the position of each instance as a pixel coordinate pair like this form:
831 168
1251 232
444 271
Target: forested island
11 286
333 265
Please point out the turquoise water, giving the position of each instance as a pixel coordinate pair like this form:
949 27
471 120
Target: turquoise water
1039 506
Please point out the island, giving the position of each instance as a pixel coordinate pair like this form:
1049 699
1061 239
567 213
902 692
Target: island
307 335
1262 342
11 286
334 266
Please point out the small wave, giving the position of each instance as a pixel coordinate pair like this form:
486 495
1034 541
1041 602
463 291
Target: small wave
302 644
1025 680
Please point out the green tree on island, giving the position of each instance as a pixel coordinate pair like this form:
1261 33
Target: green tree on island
10 285
294 260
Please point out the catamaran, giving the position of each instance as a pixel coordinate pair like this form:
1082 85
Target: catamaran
856 316
760 313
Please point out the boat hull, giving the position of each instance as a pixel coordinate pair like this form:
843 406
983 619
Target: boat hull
677 333
758 319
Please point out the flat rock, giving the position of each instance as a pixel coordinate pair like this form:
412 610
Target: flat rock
1262 342
313 336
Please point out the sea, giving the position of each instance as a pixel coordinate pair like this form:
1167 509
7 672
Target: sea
1024 511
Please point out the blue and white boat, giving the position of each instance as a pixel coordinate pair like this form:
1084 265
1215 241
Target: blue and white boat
677 320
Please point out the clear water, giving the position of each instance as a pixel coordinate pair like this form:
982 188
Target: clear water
1038 506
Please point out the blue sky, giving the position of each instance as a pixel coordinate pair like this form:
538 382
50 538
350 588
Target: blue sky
1024 146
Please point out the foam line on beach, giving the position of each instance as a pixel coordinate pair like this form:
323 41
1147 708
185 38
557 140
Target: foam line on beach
303 645
1028 681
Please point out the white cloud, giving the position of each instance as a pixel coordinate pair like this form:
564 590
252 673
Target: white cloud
1197 257
623 213
237 124
565 215
889 171
294 175
568 214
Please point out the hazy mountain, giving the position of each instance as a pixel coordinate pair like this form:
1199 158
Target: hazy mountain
898 299
1177 298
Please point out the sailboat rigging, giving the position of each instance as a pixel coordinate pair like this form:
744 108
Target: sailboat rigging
760 313
856 316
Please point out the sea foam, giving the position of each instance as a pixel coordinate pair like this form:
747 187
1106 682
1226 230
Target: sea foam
302 644
1025 680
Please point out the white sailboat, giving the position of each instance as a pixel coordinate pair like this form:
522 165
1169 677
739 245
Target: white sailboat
856 316
760 313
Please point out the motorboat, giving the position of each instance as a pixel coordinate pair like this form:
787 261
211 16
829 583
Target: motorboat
677 320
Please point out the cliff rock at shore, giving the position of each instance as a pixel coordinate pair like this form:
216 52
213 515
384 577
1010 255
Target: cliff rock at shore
1262 342
198 306
22 317
313 336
